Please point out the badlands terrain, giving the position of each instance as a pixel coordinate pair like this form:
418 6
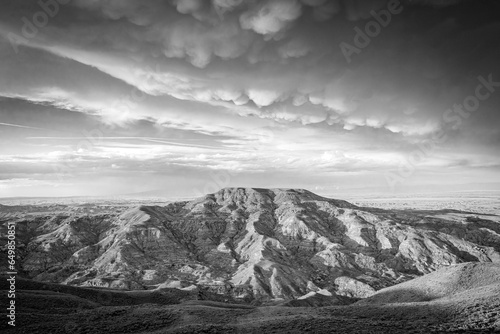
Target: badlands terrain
248 260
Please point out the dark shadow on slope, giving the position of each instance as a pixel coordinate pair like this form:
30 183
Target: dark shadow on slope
101 296
468 314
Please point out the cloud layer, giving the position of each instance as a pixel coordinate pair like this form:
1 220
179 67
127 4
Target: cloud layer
184 88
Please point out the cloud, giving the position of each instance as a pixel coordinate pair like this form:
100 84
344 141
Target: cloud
263 98
326 10
271 17
140 13
295 48
200 43
188 6
266 79
223 6
20 126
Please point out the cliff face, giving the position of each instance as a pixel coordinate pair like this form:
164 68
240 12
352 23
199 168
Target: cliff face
259 243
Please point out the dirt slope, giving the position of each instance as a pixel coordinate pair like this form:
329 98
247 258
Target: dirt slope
453 282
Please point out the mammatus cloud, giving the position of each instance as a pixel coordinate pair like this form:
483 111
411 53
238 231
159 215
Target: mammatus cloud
187 87
271 17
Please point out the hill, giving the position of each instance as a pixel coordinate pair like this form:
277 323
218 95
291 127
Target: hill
462 281
249 244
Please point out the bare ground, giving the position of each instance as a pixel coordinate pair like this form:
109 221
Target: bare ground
53 308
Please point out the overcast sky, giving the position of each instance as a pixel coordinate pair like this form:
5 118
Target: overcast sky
125 96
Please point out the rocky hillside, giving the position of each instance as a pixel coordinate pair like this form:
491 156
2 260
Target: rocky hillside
459 298
252 244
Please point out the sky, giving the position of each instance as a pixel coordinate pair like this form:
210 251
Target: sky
183 97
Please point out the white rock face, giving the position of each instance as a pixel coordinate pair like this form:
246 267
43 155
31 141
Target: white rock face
350 287
265 244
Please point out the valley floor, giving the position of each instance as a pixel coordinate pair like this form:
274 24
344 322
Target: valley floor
481 202
59 312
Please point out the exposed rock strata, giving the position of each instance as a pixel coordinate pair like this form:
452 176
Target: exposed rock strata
255 243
